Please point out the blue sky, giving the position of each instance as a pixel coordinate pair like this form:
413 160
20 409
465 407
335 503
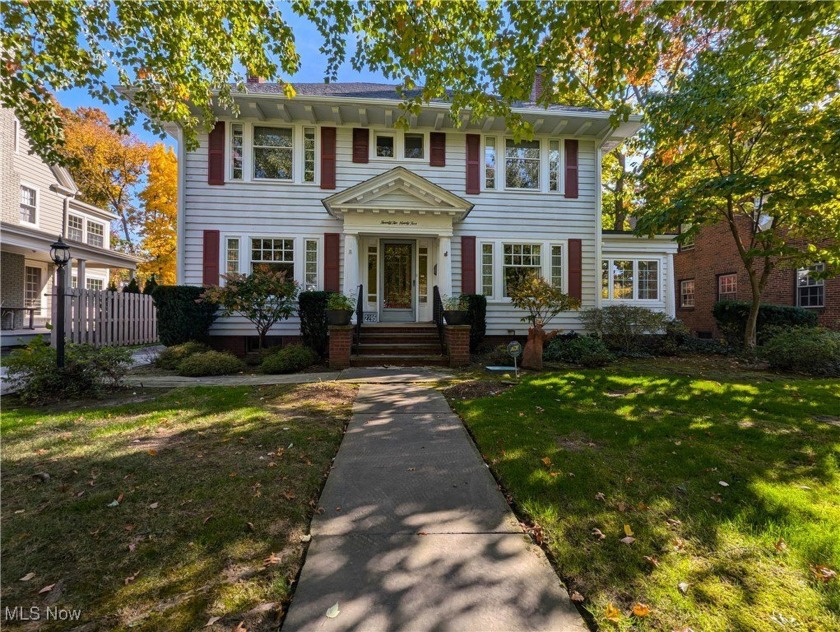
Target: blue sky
312 67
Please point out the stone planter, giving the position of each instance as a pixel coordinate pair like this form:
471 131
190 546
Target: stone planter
339 316
455 317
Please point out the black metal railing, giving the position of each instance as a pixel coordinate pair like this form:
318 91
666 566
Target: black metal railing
437 316
360 316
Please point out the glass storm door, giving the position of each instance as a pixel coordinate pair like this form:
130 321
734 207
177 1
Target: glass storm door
397 282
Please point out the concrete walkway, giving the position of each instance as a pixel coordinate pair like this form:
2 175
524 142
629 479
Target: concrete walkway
415 534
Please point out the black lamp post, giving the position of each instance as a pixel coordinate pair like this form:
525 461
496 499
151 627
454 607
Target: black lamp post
60 254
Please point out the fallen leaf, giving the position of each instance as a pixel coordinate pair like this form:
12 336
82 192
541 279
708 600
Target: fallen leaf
781 545
271 560
250 526
546 460
622 507
628 530
600 496
114 503
211 621
333 611
683 587
597 533
716 498
651 560
131 578
241 627
153 506
641 610
552 474
27 577
305 538
152 452
46 589
823 573
206 519
628 540
576 597
612 614
723 483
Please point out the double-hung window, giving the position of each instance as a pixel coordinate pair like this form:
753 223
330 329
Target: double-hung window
309 154
413 145
489 162
522 164
727 287
554 165
232 255
810 291
273 153
386 145
95 234
236 149
75 228
487 270
28 204
518 262
687 293
630 279
310 281
277 255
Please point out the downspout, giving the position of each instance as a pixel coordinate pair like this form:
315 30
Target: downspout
180 250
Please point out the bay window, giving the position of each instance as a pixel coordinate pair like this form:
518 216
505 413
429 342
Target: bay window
626 279
522 164
273 153
277 255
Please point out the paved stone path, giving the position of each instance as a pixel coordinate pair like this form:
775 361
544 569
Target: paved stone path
415 534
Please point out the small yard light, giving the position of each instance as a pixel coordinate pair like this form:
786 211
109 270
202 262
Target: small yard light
60 254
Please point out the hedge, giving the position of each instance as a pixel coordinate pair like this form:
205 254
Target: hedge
811 350
181 316
731 318
289 359
312 307
477 319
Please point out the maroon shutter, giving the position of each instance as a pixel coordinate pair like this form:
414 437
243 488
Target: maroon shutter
332 256
437 149
216 155
575 269
467 265
327 157
571 168
361 140
210 273
473 164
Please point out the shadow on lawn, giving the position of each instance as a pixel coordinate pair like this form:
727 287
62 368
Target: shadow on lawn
199 506
657 448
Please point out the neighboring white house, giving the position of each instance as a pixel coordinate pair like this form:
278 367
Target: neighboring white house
39 204
324 186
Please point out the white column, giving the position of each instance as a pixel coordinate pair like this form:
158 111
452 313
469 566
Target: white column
351 265
670 288
68 274
80 274
444 265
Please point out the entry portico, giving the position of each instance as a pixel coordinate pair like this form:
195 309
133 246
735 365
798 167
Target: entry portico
397 231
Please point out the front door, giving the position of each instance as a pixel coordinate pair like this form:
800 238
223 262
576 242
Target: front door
397 282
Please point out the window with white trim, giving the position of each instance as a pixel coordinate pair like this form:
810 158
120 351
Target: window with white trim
277 255
273 153
413 145
489 162
309 154
554 165
626 279
32 286
727 287
95 234
94 284
236 149
28 204
810 291
557 266
372 274
522 164
75 227
232 255
518 262
16 137
487 279
385 145
423 274
687 293
310 280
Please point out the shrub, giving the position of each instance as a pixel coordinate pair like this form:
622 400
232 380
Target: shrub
181 317
541 299
499 356
132 287
338 301
811 350
312 308
621 327
289 360
476 319
209 363
171 357
584 351
88 371
731 318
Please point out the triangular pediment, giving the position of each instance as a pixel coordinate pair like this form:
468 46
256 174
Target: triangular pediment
398 190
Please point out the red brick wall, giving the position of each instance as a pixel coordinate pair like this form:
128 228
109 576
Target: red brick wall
714 254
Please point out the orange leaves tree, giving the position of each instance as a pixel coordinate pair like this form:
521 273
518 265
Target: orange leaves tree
265 297
158 221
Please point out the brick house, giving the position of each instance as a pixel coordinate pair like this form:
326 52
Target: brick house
710 269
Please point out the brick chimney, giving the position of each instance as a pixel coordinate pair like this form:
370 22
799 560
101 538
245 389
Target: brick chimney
537 87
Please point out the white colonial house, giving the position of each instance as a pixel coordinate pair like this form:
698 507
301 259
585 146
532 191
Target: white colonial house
326 187
40 203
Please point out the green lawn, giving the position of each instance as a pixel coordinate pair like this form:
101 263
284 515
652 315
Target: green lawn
165 512
728 481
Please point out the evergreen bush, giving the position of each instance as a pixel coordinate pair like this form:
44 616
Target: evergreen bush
209 363
181 315
289 359
312 307
731 318
476 319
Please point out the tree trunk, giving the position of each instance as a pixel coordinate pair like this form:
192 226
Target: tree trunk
751 330
532 356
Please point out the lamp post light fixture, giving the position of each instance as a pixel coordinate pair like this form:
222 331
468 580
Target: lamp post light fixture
60 254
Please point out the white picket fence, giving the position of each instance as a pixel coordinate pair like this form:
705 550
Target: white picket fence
104 318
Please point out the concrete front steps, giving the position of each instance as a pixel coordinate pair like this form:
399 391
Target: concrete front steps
414 344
